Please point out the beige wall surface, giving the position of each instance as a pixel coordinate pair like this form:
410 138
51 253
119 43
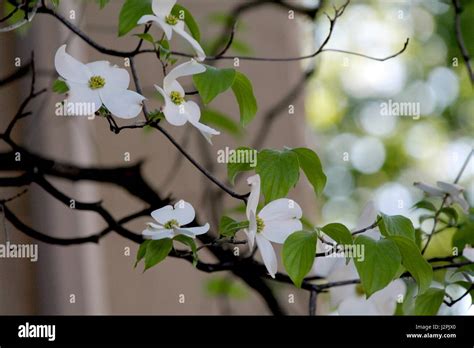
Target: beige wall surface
101 277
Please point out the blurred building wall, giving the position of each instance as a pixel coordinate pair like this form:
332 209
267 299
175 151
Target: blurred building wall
102 277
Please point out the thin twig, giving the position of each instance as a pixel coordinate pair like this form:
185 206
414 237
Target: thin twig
453 302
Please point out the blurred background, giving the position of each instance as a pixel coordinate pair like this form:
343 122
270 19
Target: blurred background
366 156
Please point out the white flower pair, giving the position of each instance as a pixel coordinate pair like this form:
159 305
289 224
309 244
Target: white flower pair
274 223
100 83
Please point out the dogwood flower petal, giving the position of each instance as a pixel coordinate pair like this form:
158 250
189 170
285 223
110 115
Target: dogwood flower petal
154 226
194 231
158 234
160 20
252 202
461 201
278 230
268 254
430 190
206 131
114 76
183 212
385 300
455 194
468 253
173 113
461 307
81 94
70 68
174 86
188 68
251 232
122 102
179 29
164 214
281 209
162 7
452 189
194 114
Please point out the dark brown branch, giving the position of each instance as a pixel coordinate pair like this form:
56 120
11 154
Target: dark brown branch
313 299
460 39
135 52
203 170
375 224
453 302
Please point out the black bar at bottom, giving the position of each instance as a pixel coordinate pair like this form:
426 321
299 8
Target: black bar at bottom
244 330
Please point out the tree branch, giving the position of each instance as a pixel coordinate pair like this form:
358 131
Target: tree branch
460 39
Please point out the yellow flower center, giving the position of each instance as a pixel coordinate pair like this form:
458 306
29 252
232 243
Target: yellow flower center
171 224
177 98
96 82
171 20
260 224
360 290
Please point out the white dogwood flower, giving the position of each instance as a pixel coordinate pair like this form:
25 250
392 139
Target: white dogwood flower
274 223
454 192
169 23
177 109
97 83
169 222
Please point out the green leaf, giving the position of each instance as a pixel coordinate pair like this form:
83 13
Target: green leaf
213 82
379 264
146 37
141 252
59 86
131 12
464 236
18 16
228 227
414 262
243 92
311 165
55 3
156 251
429 302
279 171
397 225
220 121
451 214
164 49
102 3
424 205
188 241
298 255
186 16
235 167
339 233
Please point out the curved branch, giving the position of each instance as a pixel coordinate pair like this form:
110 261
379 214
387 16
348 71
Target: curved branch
138 51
